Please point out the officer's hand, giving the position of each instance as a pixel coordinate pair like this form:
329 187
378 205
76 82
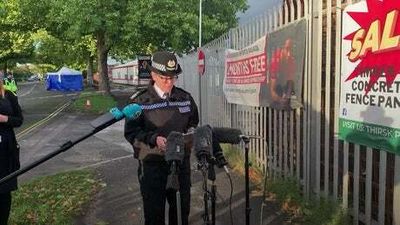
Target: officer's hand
161 143
3 118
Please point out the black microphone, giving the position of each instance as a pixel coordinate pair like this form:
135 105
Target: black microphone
175 152
202 141
175 149
227 135
130 112
218 154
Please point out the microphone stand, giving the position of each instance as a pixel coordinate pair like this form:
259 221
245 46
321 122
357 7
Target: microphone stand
173 183
204 166
212 177
99 124
246 141
208 172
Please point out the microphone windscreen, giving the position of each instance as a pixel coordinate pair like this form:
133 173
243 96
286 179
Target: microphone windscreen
175 150
118 114
227 135
132 111
202 141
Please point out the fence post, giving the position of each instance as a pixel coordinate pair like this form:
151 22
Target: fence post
396 192
316 61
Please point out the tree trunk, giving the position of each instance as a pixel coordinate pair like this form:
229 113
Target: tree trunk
102 52
5 68
89 75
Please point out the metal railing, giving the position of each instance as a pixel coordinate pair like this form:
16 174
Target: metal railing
303 143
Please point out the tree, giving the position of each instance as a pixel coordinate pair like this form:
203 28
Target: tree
16 44
127 27
51 50
173 24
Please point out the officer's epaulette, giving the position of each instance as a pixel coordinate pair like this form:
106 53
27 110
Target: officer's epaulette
137 94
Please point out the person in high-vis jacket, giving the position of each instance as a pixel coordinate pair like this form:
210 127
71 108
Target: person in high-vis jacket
10 84
166 108
10 117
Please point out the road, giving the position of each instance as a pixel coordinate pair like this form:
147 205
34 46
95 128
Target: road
37 103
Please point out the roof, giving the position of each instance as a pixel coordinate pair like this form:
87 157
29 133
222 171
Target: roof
65 71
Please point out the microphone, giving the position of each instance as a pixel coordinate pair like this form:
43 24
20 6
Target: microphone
227 135
217 152
202 139
175 149
130 112
231 135
174 154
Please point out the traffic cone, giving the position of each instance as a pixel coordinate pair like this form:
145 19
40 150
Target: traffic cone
88 105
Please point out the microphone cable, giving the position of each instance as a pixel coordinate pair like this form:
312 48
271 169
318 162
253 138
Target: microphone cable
263 203
230 197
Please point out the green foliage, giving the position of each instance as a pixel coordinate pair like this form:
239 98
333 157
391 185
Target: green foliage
288 193
100 103
236 161
16 43
53 199
54 51
310 212
173 24
22 73
78 29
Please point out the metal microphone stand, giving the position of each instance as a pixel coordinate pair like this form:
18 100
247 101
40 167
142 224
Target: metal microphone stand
246 141
203 166
213 194
208 171
173 183
175 155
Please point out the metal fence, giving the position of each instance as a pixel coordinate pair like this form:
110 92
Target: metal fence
303 143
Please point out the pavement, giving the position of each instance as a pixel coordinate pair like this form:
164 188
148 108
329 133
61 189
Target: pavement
110 156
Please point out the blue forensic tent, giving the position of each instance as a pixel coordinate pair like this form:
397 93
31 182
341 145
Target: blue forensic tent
65 80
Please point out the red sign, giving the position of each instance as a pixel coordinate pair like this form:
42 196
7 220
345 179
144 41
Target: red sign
201 66
376 42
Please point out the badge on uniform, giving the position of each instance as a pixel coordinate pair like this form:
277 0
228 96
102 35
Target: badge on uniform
184 109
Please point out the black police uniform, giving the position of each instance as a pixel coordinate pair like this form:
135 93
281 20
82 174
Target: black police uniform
159 118
9 151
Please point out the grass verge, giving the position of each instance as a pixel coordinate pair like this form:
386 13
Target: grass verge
53 199
99 102
288 194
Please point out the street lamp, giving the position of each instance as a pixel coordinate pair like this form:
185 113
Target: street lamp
199 48
200 17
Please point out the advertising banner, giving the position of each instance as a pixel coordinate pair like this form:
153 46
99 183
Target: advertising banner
270 71
285 53
245 71
143 61
370 85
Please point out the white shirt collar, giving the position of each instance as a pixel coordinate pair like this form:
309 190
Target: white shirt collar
159 92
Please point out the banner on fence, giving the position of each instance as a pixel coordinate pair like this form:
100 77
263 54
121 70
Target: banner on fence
143 70
270 71
370 81
285 53
245 71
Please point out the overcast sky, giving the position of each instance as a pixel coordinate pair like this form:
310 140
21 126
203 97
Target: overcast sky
256 7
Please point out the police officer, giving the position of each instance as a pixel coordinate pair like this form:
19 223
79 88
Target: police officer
166 108
10 117
10 84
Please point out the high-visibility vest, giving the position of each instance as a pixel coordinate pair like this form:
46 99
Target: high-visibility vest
9 84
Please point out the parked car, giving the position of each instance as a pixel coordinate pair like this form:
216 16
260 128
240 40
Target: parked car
33 78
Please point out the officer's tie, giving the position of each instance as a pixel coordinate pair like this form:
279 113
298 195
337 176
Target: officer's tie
166 96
